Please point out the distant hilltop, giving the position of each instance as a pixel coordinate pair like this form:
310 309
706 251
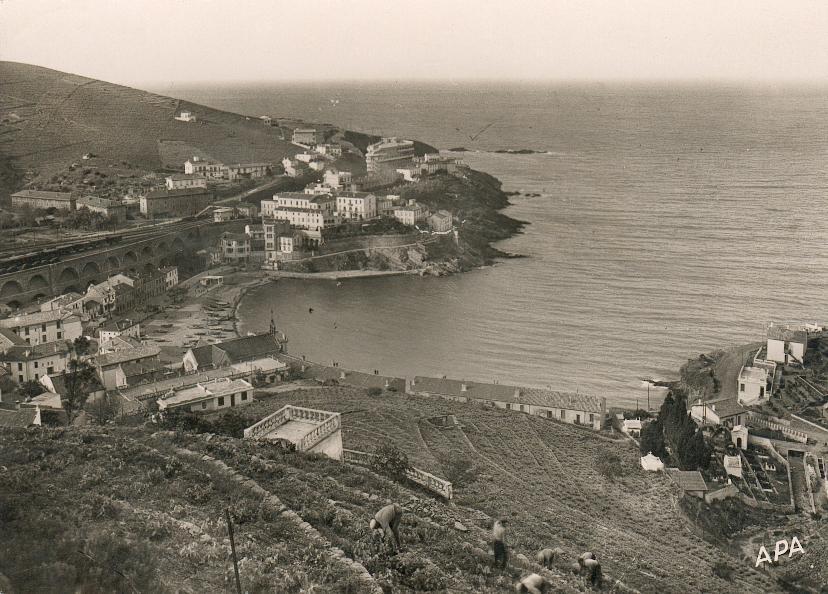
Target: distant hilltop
49 119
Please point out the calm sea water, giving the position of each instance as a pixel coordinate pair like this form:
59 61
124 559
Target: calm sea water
671 221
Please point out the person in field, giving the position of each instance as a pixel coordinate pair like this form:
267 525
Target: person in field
533 584
592 573
501 554
388 521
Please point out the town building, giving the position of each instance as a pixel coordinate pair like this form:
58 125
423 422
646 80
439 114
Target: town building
303 211
42 327
235 247
441 221
410 214
755 384
387 204
266 120
247 211
222 214
295 168
70 301
787 345
209 396
337 179
314 161
103 206
185 202
170 277
30 362
317 189
329 149
246 171
42 199
204 167
389 154
287 246
124 327
179 181
723 411
118 343
273 228
358 206
739 436
56 383
185 116
632 427
578 409
434 162
115 368
256 235
247 349
690 482
109 296
307 136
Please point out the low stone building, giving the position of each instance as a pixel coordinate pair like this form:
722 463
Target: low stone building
184 202
43 199
208 396
31 362
103 206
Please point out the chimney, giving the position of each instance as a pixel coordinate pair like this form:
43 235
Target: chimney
464 387
386 383
17 405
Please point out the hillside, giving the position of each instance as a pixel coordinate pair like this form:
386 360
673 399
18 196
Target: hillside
121 494
49 119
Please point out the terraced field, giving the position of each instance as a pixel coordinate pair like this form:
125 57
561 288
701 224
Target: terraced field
543 476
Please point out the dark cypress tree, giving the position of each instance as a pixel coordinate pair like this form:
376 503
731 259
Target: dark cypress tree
652 439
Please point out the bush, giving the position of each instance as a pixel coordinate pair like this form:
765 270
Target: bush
723 570
609 466
374 392
390 461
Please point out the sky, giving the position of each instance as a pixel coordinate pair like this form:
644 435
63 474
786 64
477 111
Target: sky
161 41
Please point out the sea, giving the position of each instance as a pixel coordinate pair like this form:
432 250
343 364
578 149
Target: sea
665 220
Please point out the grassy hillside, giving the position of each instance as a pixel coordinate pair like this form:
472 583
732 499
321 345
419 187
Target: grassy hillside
49 119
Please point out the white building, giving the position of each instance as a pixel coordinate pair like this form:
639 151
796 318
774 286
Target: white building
410 214
246 170
223 214
389 154
177 181
733 465
294 168
302 211
724 411
204 167
632 427
652 463
359 206
235 247
185 116
170 276
121 328
329 150
31 362
42 327
209 396
307 136
739 436
312 160
319 189
787 345
337 179
754 385
441 221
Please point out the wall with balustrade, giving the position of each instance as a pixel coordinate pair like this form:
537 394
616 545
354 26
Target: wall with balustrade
421 477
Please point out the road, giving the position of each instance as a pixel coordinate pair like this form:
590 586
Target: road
728 367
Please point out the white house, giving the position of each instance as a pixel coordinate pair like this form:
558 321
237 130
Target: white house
787 345
724 411
222 214
44 326
209 396
358 206
410 214
632 427
178 181
652 463
754 385
337 179
185 116
441 221
31 362
124 328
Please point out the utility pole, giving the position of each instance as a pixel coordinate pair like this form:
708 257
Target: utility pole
233 549
648 396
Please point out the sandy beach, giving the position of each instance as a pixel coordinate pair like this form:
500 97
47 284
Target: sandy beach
205 317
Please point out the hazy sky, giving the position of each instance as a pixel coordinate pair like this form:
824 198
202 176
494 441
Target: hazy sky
133 41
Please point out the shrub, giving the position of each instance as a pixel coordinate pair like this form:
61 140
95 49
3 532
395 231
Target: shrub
723 570
390 461
609 466
374 392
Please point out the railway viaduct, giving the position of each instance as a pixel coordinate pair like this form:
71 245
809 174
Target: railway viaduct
77 271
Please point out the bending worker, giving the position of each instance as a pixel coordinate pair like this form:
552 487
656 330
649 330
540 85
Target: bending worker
533 584
388 521
501 555
546 557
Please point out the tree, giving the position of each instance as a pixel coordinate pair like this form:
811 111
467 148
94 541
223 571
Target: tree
78 379
652 439
30 389
104 409
81 346
694 453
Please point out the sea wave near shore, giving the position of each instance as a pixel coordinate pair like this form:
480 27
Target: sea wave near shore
668 221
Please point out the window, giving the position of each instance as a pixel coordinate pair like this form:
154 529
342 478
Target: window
20 367
43 327
761 392
35 364
549 414
36 377
563 415
60 335
58 323
741 387
50 370
20 378
591 418
204 404
577 418
27 330
244 396
221 401
521 408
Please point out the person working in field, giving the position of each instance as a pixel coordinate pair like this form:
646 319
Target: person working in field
533 584
546 557
388 520
501 555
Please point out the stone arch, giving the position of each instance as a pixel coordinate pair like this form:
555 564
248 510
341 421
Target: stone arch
71 289
163 247
178 244
130 258
91 268
146 251
166 261
150 267
10 288
14 304
113 263
739 442
68 275
38 281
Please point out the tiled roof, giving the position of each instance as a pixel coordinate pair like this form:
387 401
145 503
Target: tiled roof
59 382
687 480
249 347
135 368
25 417
36 351
126 355
354 378
726 407
211 389
567 400
38 317
450 387
11 336
42 194
176 193
165 385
